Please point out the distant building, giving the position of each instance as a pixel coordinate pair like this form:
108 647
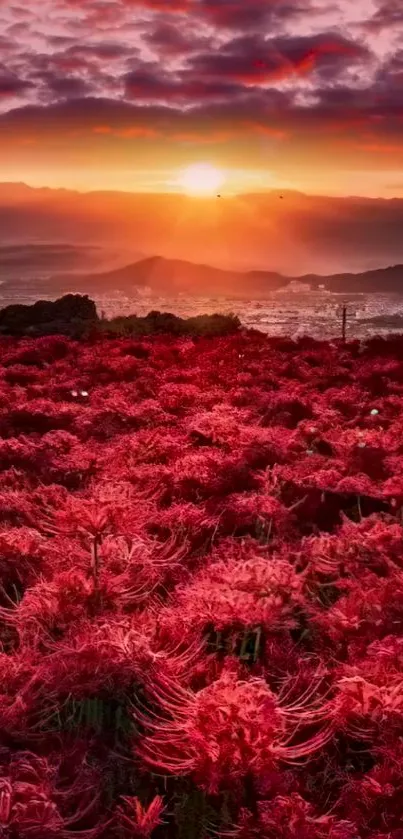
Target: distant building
144 291
295 286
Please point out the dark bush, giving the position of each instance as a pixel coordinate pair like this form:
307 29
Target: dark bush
69 315
75 316
165 323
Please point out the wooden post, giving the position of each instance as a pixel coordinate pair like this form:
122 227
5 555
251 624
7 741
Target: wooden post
344 323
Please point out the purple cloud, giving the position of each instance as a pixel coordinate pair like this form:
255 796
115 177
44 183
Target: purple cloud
287 66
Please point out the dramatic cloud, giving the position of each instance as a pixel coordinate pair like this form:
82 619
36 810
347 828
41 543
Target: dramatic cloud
257 61
389 14
12 86
289 72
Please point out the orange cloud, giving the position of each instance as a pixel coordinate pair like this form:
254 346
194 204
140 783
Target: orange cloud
203 137
381 147
134 131
266 130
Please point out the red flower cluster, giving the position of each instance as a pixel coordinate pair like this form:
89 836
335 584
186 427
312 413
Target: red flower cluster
201 588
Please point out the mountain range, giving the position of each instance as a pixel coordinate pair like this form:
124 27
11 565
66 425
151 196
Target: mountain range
173 276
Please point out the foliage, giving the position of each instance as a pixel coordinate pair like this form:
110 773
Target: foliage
70 315
164 323
75 315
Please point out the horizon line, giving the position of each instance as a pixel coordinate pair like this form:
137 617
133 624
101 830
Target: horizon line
203 198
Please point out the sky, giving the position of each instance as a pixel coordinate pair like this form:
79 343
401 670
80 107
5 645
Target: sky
276 94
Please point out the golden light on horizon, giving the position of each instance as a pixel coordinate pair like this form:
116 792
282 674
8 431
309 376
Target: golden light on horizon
201 179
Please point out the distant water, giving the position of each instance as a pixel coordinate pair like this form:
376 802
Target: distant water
295 314
292 314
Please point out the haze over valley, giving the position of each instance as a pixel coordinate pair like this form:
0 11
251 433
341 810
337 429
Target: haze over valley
46 231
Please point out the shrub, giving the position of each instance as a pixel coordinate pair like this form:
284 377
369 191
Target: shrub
70 315
164 323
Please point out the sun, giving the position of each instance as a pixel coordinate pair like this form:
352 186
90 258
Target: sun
201 179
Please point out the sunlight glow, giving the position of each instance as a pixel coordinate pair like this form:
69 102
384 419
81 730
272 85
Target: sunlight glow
201 179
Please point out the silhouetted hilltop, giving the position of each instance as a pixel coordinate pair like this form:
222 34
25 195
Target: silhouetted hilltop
166 276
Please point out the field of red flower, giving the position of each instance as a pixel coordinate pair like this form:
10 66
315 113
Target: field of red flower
201 588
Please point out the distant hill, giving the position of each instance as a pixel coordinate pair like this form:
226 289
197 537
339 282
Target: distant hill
174 276
388 279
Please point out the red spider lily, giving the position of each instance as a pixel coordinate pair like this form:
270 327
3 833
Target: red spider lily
220 427
347 401
51 608
119 417
178 398
255 514
155 480
227 731
202 475
370 691
188 520
60 442
358 485
140 821
86 519
83 518
288 410
326 480
147 446
307 472
291 818
373 544
368 459
64 460
28 801
22 559
361 704
263 447
373 798
49 498
250 628
16 509
371 610
245 592
374 536
132 568
280 662
106 660
39 416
